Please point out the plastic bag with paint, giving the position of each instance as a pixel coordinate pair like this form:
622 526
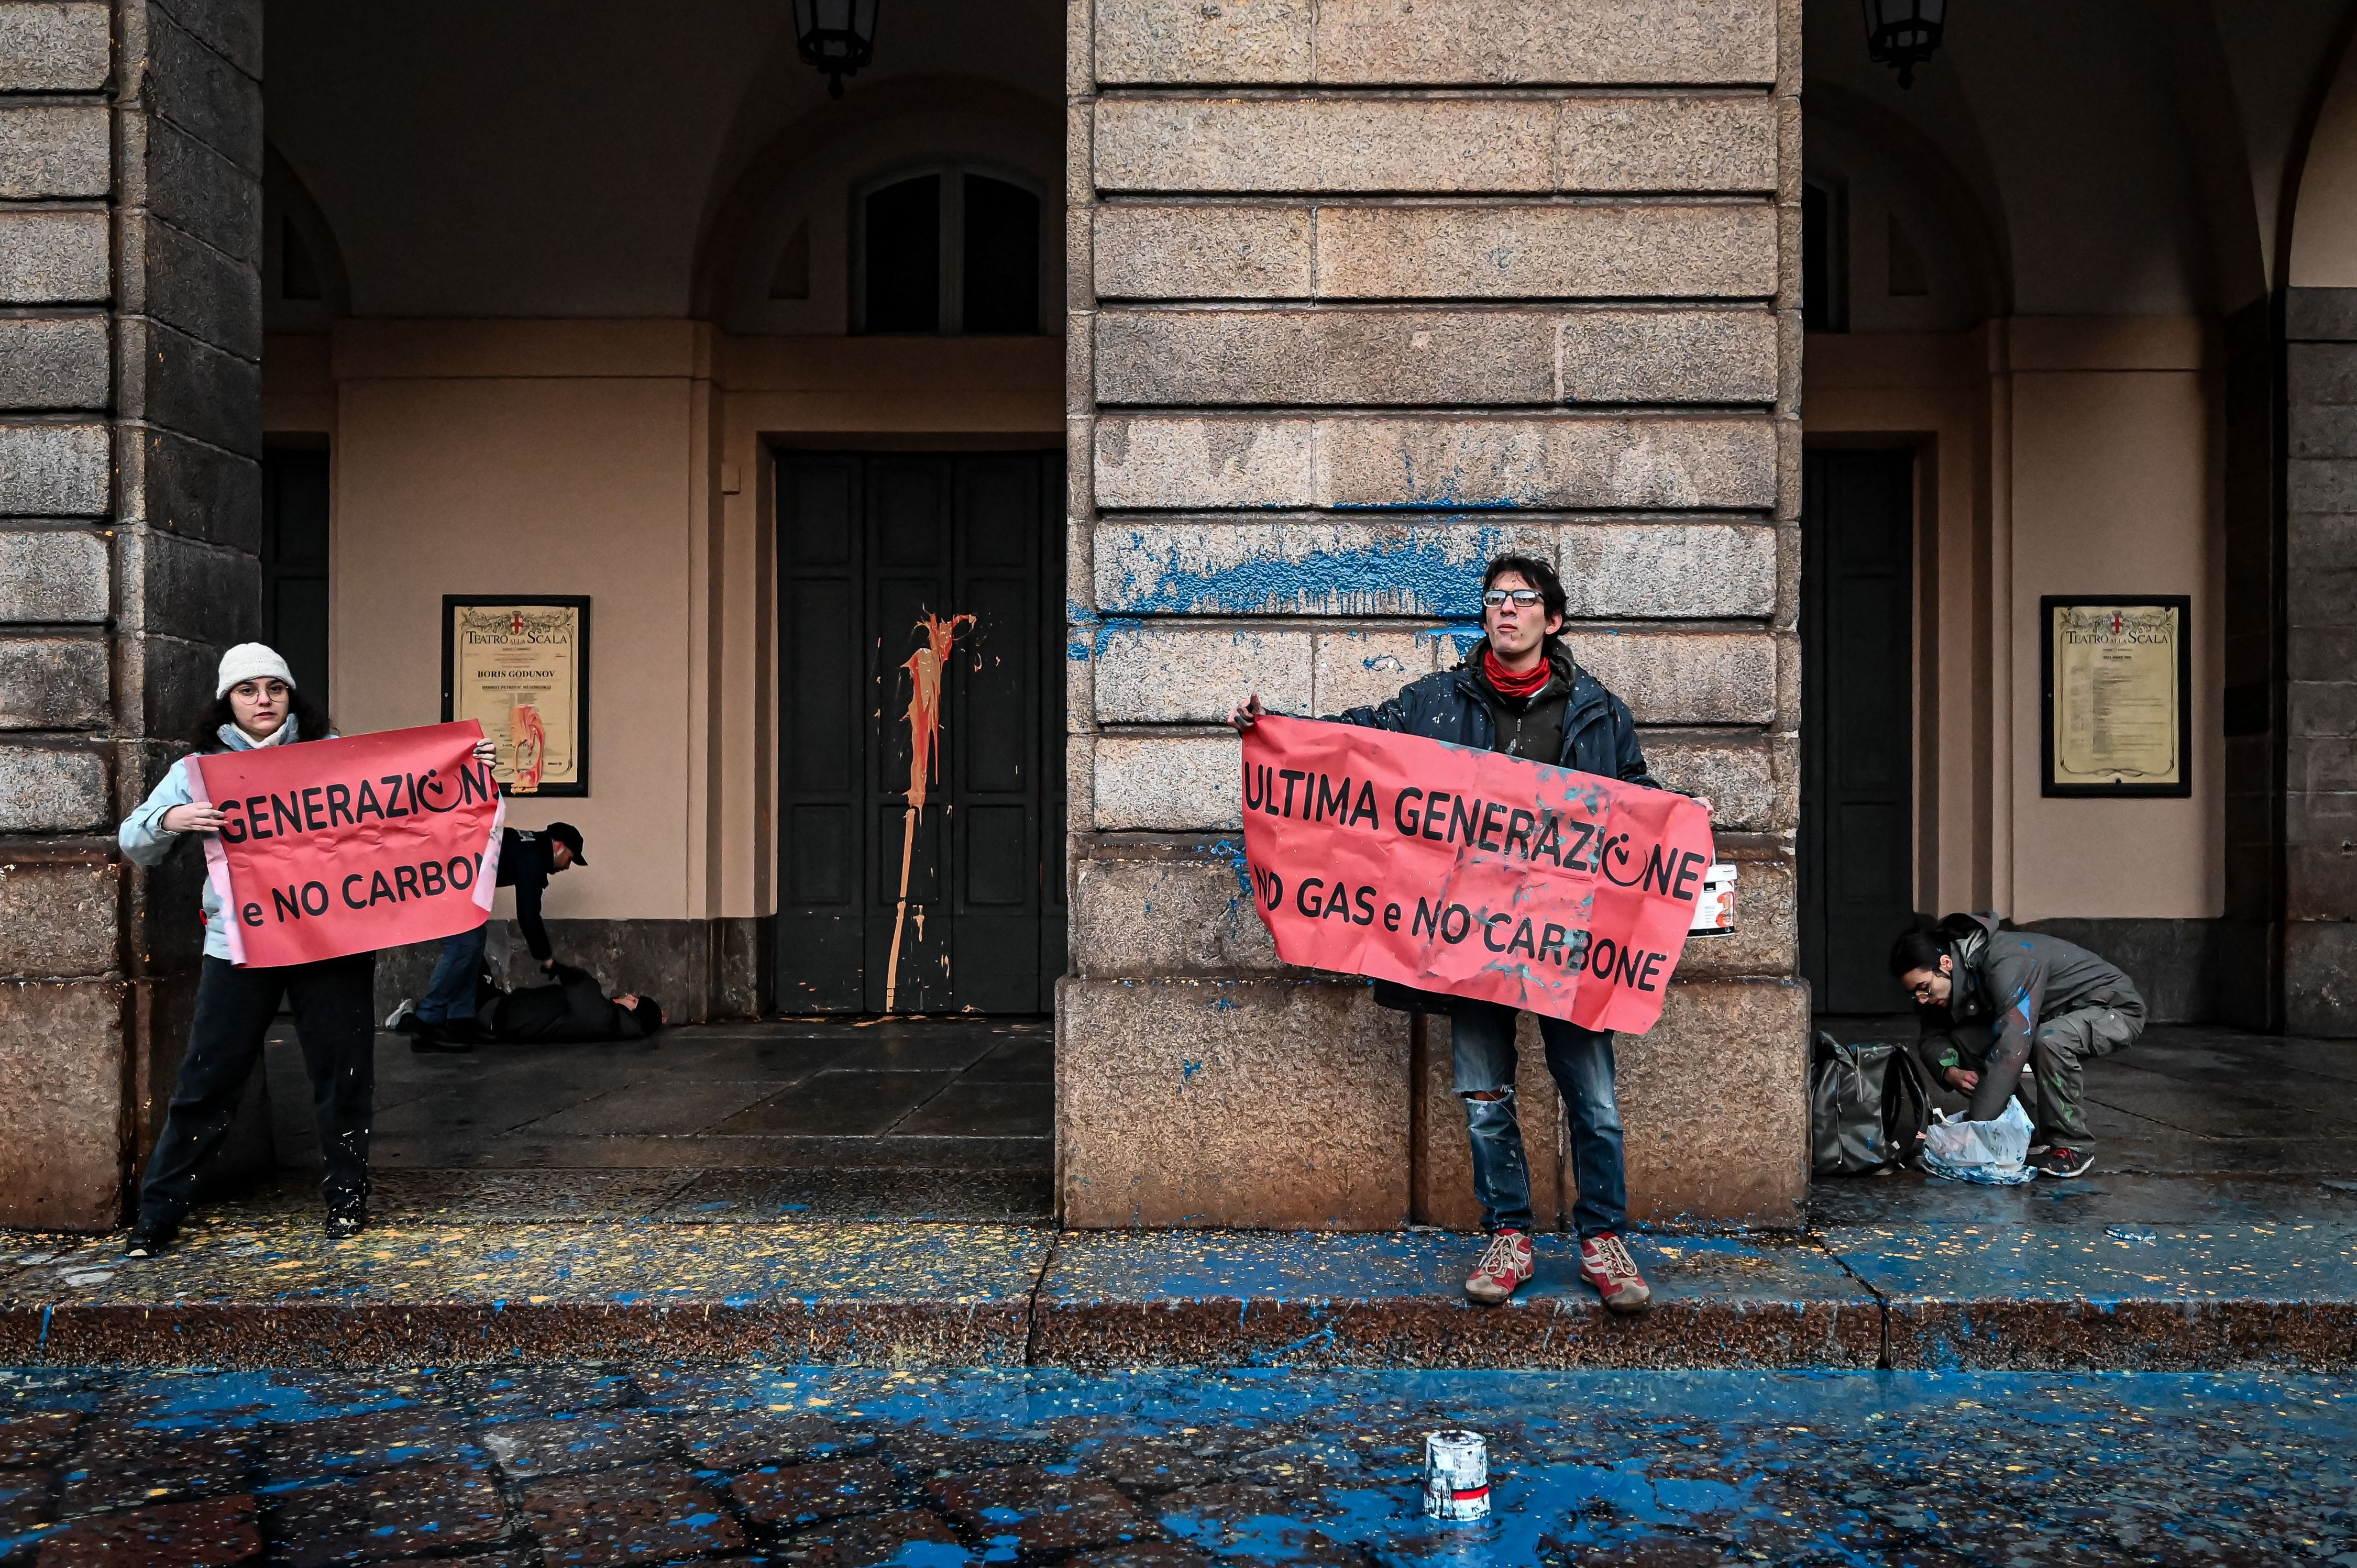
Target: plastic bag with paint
1994 1153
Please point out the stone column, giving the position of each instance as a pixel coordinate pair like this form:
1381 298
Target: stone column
130 518
1362 294
2318 662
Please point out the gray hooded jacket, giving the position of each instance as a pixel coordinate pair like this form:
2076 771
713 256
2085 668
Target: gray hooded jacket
2005 983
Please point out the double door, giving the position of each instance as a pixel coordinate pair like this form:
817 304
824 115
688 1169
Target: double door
957 905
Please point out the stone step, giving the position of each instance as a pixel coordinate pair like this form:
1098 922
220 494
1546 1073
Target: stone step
270 1290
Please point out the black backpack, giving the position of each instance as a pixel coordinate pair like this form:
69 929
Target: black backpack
1869 1105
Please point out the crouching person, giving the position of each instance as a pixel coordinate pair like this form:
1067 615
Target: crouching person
571 1009
1989 1001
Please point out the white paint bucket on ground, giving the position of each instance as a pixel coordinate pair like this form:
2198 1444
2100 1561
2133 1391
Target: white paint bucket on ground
1456 1475
1714 913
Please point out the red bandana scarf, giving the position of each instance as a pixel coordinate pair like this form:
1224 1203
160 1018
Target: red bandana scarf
1508 685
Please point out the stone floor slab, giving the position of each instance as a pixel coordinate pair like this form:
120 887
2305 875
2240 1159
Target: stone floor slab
1222 1298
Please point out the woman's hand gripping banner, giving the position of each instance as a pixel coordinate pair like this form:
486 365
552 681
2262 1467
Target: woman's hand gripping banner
1469 873
346 846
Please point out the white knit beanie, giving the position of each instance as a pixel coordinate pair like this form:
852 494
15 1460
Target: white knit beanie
252 661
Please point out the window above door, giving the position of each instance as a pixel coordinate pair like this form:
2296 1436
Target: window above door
946 249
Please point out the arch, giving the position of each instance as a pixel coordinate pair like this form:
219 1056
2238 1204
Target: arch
289 214
806 170
2319 218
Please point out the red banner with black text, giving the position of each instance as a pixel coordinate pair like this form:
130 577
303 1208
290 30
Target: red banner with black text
349 845
1471 873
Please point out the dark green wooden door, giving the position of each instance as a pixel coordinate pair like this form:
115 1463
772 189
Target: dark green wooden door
870 547
1858 724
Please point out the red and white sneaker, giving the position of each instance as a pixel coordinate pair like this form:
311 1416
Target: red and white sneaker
1604 1262
1504 1268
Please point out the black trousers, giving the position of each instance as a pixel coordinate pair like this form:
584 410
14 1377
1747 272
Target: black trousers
333 1001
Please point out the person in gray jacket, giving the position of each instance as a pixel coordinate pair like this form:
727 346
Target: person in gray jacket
1990 1000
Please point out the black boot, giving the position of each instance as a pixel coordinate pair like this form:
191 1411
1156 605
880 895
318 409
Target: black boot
347 1220
445 1037
150 1239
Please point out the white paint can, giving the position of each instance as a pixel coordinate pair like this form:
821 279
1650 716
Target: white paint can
1456 1475
1714 913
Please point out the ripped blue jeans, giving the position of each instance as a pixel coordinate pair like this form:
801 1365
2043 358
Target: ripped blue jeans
1580 1061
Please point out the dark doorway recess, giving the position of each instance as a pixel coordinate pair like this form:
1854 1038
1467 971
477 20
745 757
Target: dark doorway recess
1858 723
295 565
869 544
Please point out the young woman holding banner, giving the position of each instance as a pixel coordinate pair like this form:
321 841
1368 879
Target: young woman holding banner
255 704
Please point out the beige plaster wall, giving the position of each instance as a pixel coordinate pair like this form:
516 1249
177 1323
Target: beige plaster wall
627 460
2064 454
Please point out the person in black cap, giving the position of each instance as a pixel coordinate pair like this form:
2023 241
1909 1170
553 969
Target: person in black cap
445 1020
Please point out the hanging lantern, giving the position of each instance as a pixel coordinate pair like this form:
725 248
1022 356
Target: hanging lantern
1903 34
837 36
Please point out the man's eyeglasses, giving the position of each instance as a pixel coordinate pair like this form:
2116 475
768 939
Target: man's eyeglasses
1524 598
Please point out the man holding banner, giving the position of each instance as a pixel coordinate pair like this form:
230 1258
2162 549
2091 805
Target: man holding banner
316 854
1474 887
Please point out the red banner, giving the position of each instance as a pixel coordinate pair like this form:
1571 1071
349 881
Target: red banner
1470 873
346 846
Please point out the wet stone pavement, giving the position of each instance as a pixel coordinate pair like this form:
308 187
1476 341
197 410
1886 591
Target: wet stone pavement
697 1461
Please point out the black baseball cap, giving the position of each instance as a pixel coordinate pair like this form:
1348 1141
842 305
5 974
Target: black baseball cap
569 836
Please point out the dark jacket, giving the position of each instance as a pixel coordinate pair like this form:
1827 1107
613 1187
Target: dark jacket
526 864
1457 705
2004 984
570 1008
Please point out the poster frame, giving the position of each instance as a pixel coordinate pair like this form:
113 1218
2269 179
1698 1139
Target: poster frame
2048 786
450 602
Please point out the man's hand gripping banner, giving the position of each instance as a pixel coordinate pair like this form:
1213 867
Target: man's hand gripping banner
1465 872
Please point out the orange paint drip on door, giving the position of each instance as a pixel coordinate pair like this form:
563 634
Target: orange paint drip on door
924 667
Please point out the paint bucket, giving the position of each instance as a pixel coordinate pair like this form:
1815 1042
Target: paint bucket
1714 913
1456 1475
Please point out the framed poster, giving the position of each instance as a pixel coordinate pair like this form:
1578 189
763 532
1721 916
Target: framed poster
2118 677
521 665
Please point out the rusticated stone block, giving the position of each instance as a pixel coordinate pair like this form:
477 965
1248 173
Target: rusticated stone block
52 682
1684 677
1721 250
171 379
1275 1103
61 1077
186 487
1731 1056
1766 940
53 470
2320 978
58 916
53 151
1160 909
1665 356
44 790
51 362
1303 565
1169 674
1350 357
1446 1197
1170 784
1669 144
1203 462
191 285
1188 41
1541 462
185 588
52 258
1202 252
204 94
1534 42
1358 669
1748 790
53 48
195 188
1684 570
52 575
1232 144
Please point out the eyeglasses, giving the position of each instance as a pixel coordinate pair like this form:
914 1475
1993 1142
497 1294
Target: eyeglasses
1524 598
